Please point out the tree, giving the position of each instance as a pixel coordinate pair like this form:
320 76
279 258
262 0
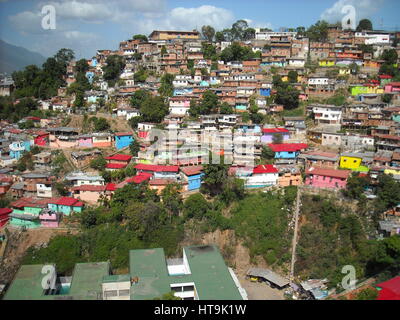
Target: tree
267 153
140 37
288 97
249 34
219 36
318 32
292 76
100 124
81 66
209 103
388 191
167 88
195 206
277 138
154 109
387 98
215 176
364 24
114 66
236 52
163 50
390 56
208 33
209 51
238 30
99 163
139 97
134 148
172 199
225 108
140 76
355 187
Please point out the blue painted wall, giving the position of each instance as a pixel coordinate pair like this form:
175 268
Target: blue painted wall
123 141
286 155
194 182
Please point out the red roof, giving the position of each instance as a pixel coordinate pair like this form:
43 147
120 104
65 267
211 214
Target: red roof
394 84
385 76
67 201
288 147
4 211
265 168
116 165
156 168
33 118
89 187
119 157
143 134
141 177
343 174
110 187
390 289
275 130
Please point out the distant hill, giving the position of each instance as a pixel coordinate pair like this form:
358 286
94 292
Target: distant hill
13 58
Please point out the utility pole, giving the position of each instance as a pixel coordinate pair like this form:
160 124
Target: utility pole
294 244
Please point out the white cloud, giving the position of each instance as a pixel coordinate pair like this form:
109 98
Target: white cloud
82 10
364 9
27 22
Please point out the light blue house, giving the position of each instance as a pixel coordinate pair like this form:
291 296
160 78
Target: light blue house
123 139
182 91
17 148
193 176
287 150
90 76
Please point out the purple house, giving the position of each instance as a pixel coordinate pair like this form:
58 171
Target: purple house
268 134
85 141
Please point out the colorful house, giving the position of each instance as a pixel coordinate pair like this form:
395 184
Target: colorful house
41 138
193 176
26 213
4 216
269 133
357 90
65 205
85 141
287 150
392 87
350 161
123 139
259 177
327 178
326 62
17 148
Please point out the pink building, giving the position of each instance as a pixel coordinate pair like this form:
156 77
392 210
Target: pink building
49 219
327 178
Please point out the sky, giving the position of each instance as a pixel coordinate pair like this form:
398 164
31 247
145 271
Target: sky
88 25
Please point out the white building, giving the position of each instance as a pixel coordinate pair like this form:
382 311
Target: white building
327 114
266 35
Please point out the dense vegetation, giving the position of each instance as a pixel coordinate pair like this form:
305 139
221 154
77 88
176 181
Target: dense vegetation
333 236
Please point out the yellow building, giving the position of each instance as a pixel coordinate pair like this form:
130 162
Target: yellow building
327 63
169 35
350 161
344 71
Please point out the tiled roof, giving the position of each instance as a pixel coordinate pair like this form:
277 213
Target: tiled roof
191 171
343 174
123 134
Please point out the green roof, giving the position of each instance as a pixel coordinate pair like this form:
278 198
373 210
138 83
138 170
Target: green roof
27 284
87 279
117 278
85 284
208 272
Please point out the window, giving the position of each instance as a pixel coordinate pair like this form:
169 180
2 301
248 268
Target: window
111 293
124 292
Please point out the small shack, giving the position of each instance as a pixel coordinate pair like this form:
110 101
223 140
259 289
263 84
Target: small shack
272 278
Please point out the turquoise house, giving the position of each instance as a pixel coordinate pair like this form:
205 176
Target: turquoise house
287 150
123 140
17 148
26 216
66 205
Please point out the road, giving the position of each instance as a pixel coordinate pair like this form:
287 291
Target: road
296 226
